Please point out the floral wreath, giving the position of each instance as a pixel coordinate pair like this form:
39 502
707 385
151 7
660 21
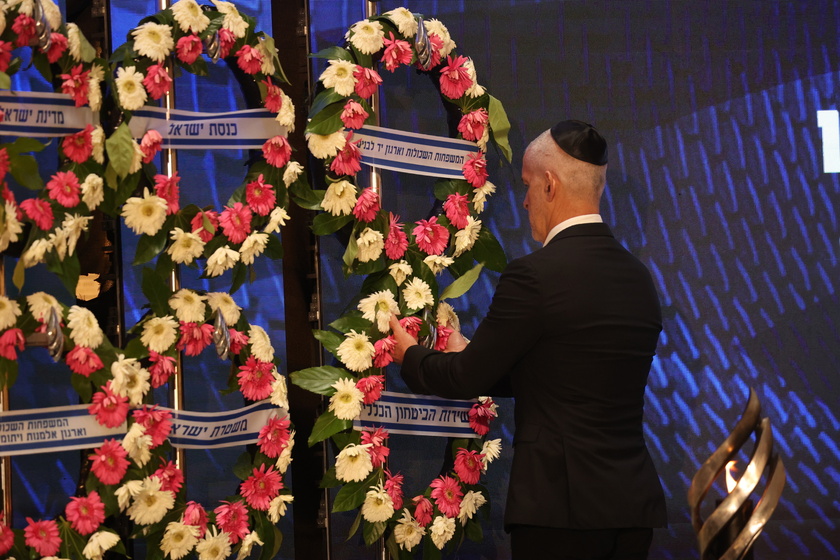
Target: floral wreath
134 475
235 236
60 211
402 262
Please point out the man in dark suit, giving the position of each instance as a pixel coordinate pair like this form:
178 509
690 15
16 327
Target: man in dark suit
571 333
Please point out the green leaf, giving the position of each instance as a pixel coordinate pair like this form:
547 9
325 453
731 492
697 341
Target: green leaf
318 379
244 466
72 543
352 495
306 197
326 425
343 439
461 285
355 526
24 145
328 120
473 530
8 372
120 148
329 340
500 126
353 321
326 97
19 274
326 223
443 188
488 251
40 62
25 171
373 531
67 270
329 480
86 49
274 248
5 81
82 386
378 282
350 252
157 291
335 53
239 275
150 246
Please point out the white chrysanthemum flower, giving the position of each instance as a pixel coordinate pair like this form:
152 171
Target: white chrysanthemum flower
279 391
253 246
130 379
470 504
325 146
130 88
436 27
465 238
353 463
186 246
276 219
378 307
9 312
356 352
417 294
127 492
153 40
138 444
73 226
189 16
438 263
476 91
291 173
442 530
491 450
11 226
160 333
151 503
408 533
188 305
285 458
261 347
224 258
52 13
269 55
97 138
371 243
248 544
41 304
339 76
367 36
480 195
277 507
99 543
145 215
74 41
36 253
346 403
446 316
84 328
93 192
378 505
97 74
179 539
340 198
286 115
405 22
399 271
224 304
214 546
233 20
58 240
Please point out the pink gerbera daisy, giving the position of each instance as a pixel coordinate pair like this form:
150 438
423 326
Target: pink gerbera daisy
64 188
475 169
249 59
42 536
260 196
411 325
109 463
5 55
58 44
238 340
443 334
226 42
457 209
83 360
86 513
167 188
367 80
11 342
371 387
232 518
437 45
236 222
5 165
393 486
157 81
383 352
274 437
204 224
277 151
161 369
348 161
109 408
396 52
188 48
455 78
397 241
273 96
431 237
150 145
195 515
39 211
473 125
24 26
78 146
76 84
468 465
480 415
261 487
367 205
255 379
7 536
378 451
194 337
423 509
447 494
170 476
353 115
156 421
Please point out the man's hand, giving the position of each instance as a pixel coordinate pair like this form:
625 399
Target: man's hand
404 340
456 342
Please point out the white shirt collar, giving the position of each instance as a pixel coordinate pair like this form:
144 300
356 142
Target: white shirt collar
584 219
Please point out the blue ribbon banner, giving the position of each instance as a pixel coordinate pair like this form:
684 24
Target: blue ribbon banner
34 114
420 154
246 130
421 415
27 432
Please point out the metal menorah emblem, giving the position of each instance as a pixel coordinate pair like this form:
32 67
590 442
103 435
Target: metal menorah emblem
731 529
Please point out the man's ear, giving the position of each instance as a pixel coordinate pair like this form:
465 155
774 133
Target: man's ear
552 183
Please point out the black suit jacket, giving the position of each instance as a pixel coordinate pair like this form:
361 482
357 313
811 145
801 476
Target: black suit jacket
571 331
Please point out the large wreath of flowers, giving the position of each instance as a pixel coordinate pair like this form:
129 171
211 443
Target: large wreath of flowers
184 37
60 210
402 262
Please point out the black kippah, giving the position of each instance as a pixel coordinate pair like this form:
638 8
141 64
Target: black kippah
581 141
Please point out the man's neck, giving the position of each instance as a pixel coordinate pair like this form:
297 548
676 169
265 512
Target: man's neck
573 221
